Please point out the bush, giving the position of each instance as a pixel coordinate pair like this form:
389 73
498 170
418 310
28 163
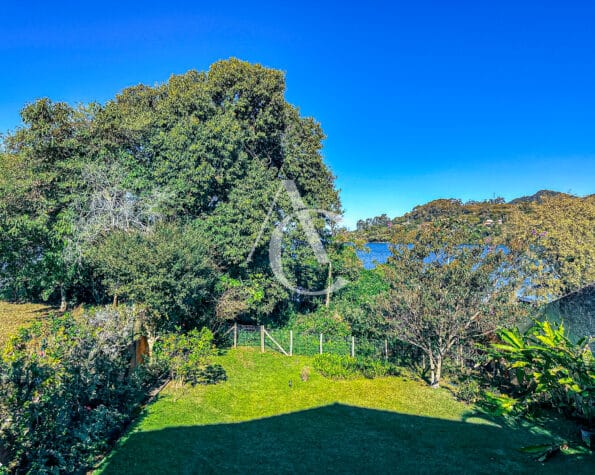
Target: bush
335 366
66 391
468 390
188 357
550 369
324 321
345 367
373 368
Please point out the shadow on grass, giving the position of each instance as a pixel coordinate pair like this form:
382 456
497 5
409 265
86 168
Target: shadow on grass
338 439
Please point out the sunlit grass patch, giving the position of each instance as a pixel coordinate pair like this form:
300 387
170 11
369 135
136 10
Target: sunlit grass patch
15 315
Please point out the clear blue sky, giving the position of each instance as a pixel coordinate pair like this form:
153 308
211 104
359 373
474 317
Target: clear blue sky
419 99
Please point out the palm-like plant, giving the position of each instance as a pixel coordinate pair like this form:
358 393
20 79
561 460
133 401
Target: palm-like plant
550 368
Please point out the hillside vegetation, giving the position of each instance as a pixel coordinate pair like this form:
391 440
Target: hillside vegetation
554 229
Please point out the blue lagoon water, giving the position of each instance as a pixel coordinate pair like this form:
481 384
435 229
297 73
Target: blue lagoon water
378 253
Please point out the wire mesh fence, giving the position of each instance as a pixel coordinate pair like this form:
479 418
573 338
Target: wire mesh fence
292 343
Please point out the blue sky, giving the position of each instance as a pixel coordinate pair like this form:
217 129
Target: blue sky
419 100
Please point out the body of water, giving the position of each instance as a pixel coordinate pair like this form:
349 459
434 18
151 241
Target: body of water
378 253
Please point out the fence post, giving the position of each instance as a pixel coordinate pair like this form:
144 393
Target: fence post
320 347
353 347
290 342
262 338
235 335
386 349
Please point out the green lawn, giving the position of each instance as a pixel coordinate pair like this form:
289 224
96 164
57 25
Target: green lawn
256 423
15 315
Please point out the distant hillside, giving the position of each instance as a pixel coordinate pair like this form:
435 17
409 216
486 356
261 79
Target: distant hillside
496 210
537 196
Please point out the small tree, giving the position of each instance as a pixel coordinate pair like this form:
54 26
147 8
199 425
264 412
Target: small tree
188 357
167 270
452 285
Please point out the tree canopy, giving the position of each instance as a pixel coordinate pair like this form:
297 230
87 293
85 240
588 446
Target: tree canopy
449 286
558 233
95 198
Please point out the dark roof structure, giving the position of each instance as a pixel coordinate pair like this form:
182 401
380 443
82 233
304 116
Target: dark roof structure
577 310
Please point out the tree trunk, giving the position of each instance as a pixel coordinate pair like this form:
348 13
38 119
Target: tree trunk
432 370
435 369
438 371
63 302
460 356
151 339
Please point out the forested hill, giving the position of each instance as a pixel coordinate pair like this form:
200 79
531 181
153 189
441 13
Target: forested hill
537 196
491 212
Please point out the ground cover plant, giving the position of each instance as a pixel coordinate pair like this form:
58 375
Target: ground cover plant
346 367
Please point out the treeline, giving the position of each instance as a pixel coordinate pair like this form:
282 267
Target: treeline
380 228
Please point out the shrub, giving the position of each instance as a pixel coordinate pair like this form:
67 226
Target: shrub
188 357
356 302
373 368
66 391
345 367
550 369
335 366
468 390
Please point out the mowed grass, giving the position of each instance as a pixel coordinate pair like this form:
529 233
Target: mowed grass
257 422
15 315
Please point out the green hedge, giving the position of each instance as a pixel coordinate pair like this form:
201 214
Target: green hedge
345 367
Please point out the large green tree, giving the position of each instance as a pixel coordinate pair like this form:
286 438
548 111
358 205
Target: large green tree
205 147
39 179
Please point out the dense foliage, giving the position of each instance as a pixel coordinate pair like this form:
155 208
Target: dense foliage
67 388
350 311
159 193
558 233
550 369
